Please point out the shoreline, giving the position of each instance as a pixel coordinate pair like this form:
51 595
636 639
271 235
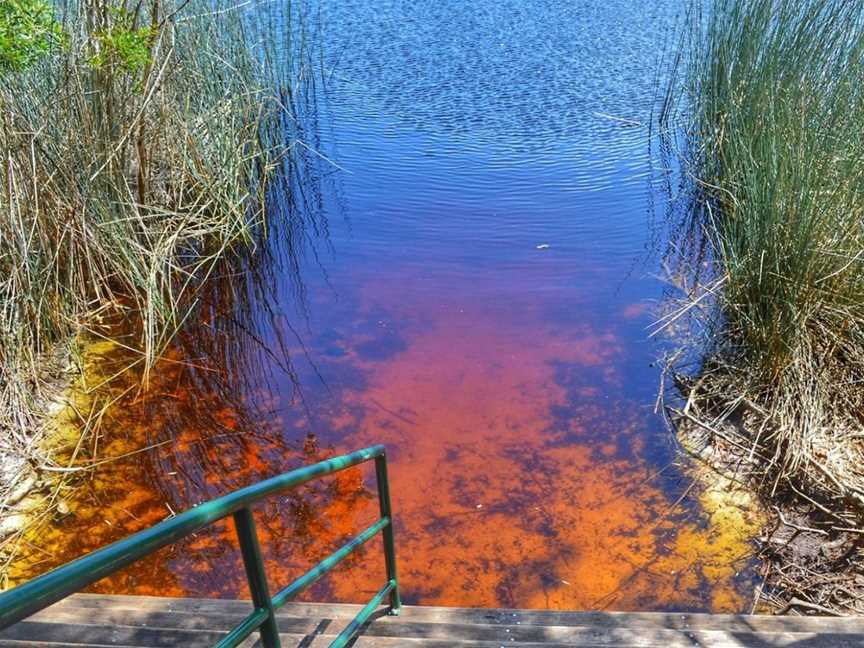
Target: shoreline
809 566
33 482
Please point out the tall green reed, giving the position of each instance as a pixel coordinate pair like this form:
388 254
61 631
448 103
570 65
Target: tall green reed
773 122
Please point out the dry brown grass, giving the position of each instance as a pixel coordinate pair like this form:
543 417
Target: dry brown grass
128 177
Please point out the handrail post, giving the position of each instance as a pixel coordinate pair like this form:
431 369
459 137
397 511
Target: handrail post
255 575
387 532
19 603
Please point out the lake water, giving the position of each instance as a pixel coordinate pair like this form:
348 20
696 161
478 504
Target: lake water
476 293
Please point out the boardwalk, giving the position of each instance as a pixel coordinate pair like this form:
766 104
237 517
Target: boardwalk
126 622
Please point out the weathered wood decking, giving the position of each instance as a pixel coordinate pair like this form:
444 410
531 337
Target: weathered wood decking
127 621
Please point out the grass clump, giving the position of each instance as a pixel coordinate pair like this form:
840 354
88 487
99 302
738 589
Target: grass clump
774 117
134 158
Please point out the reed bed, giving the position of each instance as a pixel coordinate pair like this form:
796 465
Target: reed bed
772 113
140 144
764 119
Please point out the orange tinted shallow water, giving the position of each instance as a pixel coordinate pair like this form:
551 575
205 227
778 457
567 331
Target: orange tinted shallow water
520 477
479 309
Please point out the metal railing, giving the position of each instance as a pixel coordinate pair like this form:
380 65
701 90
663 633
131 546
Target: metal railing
39 593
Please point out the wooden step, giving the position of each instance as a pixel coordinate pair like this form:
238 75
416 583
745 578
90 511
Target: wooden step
489 616
137 622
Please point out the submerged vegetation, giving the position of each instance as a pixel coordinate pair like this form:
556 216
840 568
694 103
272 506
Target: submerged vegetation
773 111
141 143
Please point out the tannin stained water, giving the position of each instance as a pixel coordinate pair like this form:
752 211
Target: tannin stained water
480 305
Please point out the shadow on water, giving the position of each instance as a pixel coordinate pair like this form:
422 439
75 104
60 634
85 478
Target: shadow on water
461 288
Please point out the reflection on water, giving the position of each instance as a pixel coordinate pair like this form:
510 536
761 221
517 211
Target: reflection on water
479 306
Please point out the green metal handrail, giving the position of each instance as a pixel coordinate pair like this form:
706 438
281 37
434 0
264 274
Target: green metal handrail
39 593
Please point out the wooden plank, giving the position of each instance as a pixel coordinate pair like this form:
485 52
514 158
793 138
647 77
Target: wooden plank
304 641
430 634
323 641
731 623
40 633
133 622
163 603
595 635
743 641
113 617
684 621
295 641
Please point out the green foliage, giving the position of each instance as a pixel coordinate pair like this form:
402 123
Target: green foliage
122 45
28 31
